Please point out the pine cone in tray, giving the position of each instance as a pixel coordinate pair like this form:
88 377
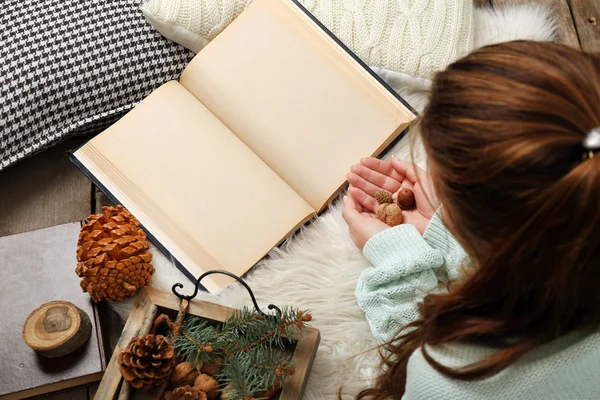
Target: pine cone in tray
147 361
113 256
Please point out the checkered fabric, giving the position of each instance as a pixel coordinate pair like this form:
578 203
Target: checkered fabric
73 67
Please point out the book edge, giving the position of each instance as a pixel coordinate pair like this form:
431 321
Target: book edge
355 57
102 346
115 200
55 388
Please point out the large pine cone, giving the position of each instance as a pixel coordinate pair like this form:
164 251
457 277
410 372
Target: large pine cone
113 256
147 361
186 392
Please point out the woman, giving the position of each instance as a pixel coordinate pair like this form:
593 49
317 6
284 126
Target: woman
510 133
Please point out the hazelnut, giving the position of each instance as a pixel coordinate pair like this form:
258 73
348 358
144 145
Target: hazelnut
383 196
391 214
184 374
208 385
406 199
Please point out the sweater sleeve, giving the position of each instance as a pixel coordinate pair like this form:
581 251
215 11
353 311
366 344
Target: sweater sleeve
438 237
402 273
405 267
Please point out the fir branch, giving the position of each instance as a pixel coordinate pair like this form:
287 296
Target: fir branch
250 375
197 342
246 327
242 319
236 376
249 344
270 366
290 321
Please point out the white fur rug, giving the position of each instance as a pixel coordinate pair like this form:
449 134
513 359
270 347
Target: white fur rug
318 268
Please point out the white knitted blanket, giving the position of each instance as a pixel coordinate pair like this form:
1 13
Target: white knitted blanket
318 269
416 37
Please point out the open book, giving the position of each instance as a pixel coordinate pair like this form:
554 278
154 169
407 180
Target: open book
254 140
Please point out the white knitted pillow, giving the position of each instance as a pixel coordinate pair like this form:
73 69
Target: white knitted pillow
416 37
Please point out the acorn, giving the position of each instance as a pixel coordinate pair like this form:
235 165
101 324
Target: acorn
406 199
383 196
391 214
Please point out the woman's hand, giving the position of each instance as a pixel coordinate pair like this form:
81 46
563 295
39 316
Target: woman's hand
372 174
363 224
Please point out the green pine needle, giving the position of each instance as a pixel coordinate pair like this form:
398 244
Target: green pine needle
196 339
250 345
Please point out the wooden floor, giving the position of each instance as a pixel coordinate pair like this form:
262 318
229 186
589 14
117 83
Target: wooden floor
47 189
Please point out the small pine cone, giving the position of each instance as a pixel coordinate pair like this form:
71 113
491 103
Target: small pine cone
147 361
391 214
208 385
186 392
113 256
383 197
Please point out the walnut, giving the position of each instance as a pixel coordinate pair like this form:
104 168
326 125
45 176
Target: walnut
208 385
184 374
391 214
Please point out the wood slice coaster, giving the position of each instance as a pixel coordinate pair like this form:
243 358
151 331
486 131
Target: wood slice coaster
57 328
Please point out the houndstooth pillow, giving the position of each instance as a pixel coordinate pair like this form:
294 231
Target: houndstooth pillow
72 67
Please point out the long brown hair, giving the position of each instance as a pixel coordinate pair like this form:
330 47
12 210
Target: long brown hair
503 133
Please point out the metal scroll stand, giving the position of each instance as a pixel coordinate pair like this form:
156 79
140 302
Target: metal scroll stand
237 278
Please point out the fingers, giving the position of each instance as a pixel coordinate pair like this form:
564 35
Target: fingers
359 206
377 178
361 183
381 166
408 185
350 212
362 198
409 170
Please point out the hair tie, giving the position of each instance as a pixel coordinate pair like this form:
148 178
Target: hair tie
591 142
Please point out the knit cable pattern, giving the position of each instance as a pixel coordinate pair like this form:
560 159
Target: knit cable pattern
416 37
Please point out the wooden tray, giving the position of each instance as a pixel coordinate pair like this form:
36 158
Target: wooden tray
140 321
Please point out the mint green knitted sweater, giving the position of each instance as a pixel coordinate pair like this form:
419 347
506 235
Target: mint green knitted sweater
406 266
